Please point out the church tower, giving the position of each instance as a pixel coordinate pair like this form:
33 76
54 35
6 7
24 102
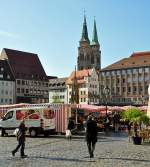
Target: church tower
89 53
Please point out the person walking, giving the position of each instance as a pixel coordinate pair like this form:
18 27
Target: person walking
21 140
91 135
116 121
70 127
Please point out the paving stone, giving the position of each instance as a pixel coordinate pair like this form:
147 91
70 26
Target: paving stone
111 151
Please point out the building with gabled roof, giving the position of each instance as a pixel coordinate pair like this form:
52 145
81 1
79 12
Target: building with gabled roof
128 79
87 82
30 77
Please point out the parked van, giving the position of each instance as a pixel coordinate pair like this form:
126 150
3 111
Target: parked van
38 120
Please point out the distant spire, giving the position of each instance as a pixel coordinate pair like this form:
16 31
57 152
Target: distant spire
85 31
95 37
75 91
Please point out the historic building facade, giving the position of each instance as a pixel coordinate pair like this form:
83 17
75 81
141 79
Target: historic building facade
31 83
7 84
127 79
89 54
58 91
86 83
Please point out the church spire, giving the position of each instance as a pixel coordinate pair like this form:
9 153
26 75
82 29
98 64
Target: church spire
95 37
85 31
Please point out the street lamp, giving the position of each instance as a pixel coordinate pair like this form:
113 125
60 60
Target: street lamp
106 93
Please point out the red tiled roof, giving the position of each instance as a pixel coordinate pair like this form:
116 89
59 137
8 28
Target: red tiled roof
25 63
79 76
137 59
136 54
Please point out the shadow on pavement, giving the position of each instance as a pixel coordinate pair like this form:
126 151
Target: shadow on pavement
60 159
126 159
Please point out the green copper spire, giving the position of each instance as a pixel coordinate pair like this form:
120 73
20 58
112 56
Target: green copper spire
95 37
85 31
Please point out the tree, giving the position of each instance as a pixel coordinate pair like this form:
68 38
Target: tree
135 115
56 99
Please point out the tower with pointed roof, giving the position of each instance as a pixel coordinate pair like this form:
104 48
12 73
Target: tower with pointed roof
89 54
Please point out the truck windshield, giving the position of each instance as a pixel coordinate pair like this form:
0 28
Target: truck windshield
9 115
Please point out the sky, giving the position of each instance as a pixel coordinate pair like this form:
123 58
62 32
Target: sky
52 29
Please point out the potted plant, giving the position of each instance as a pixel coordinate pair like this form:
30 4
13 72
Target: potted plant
136 117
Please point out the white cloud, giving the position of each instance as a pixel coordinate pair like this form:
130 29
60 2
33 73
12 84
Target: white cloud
8 34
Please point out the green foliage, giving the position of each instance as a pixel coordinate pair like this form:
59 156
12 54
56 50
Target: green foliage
56 99
135 115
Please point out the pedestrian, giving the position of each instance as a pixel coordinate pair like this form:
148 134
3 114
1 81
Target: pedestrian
116 121
70 128
21 140
106 124
129 130
91 135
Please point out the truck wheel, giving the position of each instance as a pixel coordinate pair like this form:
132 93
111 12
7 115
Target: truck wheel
46 134
1 132
33 132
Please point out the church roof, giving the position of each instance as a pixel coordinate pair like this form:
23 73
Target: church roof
84 36
95 36
137 59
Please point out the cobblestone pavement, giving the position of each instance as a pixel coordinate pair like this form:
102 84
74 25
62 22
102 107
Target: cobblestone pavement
114 151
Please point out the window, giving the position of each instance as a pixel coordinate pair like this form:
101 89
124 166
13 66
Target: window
147 69
18 90
18 82
140 70
8 76
135 71
27 90
118 81
107 73
1 75
129 71
129 89
113 73
124 89
22 90
10 101
123 80
23 82
9 115
134 88
103 73
118 72
123 72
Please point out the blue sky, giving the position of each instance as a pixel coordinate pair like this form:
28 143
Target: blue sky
52 29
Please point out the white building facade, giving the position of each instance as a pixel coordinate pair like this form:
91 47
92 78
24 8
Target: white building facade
58 91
